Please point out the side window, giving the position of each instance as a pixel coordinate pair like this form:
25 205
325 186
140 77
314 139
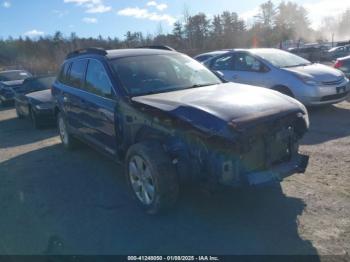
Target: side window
97 80
245 62
223 63
203 58
77 73
62 77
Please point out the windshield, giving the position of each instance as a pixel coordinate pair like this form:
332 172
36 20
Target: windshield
36 84
141 75
13 75
281 58
333 49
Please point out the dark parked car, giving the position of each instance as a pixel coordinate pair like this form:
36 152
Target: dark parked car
171 121
343 64
311 53
337 52
9 81
33 99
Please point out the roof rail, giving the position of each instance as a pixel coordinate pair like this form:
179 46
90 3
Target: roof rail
162 47
90 50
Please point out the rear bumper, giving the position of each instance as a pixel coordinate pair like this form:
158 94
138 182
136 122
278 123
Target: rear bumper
298 164
46 115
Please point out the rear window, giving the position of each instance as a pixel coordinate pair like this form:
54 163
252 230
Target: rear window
35 84
14 75
203 58
41 83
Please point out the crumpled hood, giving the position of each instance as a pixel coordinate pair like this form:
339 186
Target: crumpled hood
43 96
320 73
213 107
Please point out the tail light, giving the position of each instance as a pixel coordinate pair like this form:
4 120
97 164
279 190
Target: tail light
338 64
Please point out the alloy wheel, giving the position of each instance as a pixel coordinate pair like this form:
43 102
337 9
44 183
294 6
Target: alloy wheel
63 130
141 179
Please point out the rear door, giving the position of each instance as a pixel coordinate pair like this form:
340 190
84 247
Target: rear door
71 95
99 106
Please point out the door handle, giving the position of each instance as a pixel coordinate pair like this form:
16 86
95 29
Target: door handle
234 76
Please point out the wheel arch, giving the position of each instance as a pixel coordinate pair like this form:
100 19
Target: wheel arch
284 90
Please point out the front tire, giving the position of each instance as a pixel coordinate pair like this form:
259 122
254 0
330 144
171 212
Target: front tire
68 141
151 177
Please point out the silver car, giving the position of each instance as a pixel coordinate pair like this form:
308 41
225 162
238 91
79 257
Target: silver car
310 83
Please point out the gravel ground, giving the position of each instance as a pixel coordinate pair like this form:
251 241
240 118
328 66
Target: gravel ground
59 202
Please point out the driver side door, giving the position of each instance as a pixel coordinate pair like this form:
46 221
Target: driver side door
250 70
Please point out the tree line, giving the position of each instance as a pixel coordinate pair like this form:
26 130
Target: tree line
272 26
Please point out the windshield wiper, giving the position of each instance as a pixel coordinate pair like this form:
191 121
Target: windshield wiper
305 64
199 85
175 89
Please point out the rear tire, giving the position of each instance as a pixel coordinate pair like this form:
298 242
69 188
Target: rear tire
151 177
69 142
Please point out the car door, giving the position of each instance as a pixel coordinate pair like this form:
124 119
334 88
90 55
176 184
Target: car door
71 95
99 107
247 69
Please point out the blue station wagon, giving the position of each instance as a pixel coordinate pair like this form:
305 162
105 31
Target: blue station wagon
172 121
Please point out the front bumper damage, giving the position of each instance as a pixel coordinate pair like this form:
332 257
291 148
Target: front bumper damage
297 164
264 156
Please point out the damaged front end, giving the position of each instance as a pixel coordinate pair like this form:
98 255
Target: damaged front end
262 152
227 135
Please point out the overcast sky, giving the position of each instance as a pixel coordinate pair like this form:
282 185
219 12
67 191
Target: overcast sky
34 18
